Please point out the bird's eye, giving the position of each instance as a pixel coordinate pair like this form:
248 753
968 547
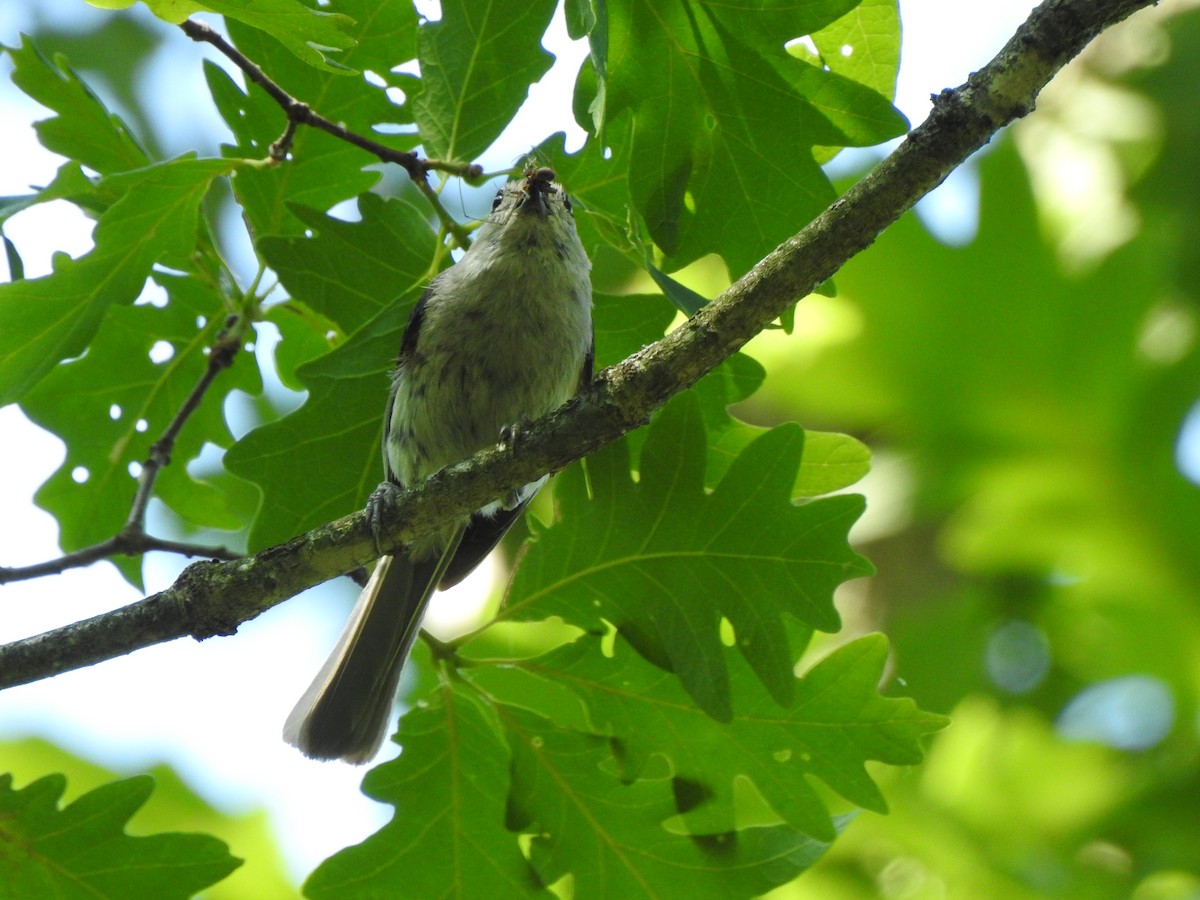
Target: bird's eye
566 201
496 200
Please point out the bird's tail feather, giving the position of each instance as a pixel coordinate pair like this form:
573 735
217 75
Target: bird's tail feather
346 712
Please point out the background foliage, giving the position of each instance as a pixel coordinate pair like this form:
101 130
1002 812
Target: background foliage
1024 394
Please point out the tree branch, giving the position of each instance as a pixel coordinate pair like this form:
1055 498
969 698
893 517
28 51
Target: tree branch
300 113
214 598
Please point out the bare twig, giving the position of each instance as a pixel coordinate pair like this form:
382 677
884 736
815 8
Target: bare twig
220 358
214 598
132 539
299 112
119 545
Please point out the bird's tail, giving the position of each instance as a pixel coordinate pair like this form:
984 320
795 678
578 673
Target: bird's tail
347 710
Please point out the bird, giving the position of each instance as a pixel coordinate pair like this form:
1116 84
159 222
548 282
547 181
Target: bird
495 341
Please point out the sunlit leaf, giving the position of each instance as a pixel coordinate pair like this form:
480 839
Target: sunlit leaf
665 562
837 722
448 834
477 63
82 850
54 317
609 836
83 129
709 176
140 367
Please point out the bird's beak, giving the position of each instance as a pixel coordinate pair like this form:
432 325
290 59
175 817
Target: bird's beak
535 198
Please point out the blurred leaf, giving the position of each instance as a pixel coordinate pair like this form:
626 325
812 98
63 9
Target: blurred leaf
83 130
82 850
172 806
55 317
448 833
69 184
665 562
477 63
309 33
16 268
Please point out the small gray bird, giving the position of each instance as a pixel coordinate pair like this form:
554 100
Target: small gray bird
498 339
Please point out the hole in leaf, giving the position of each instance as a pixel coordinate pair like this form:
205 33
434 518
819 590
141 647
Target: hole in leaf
161 352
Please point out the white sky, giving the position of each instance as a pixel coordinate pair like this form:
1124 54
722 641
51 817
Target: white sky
214 710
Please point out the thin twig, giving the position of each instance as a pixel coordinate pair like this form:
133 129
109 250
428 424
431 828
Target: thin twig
220 358
214 598
132 539
299 112
119 545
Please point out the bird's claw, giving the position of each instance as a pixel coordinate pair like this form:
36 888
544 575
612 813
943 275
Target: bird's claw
381 501
510 437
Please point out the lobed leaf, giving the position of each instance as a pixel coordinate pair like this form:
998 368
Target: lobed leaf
82 850
109 405
55 317
323 171
477 63
311 34
83 129
837 722
665 562
609 836
448 836
714 104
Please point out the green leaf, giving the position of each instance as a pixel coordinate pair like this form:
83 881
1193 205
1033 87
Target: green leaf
476 67
837 722
448 836
350 271
322 460
83 130
248 832
665 562
308 33
685 299
69 184
831 462
625 323
609 836
311 34
128 399
16 266
82 850
863 45
712 115
323 170
55 317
